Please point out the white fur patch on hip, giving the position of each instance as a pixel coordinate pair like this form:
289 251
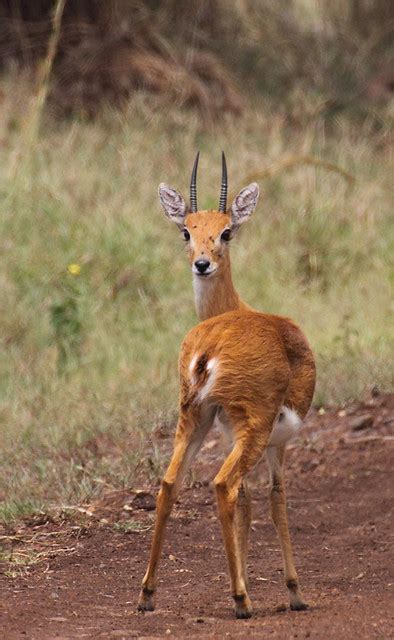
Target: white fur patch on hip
208 373
192 364
286 427
211 368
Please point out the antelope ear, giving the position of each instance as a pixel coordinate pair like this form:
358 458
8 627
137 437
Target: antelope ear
173 204
244 204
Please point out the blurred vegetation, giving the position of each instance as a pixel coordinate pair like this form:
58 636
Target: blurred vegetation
96 289
211 54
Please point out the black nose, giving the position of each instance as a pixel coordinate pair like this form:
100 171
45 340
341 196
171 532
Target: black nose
202 265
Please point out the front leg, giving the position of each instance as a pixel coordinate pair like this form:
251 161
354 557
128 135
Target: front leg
165 501
190 433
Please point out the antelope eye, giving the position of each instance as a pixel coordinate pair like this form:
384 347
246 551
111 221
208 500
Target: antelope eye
186 235
226 235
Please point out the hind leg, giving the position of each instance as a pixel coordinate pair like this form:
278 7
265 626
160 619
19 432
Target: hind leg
251 436
243 521
275 457
243 510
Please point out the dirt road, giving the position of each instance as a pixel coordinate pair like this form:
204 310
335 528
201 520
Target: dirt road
84 575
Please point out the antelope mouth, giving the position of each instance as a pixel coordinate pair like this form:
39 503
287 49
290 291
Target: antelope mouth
205 275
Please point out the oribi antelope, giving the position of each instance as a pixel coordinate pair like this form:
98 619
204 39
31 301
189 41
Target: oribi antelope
252 373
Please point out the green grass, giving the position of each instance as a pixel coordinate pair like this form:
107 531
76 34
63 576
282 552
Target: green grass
89 361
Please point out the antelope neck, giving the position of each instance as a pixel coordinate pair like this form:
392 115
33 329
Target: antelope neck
215 295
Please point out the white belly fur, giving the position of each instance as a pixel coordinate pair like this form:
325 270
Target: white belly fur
285 428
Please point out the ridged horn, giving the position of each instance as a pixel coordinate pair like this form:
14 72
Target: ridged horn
193 185
223 188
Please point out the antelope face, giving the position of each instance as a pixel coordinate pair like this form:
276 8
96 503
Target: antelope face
207 233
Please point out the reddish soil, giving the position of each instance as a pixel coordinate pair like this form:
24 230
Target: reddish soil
85 577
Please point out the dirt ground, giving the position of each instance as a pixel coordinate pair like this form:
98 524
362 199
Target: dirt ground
79 576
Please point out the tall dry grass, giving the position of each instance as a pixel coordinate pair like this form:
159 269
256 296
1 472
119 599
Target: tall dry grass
96 290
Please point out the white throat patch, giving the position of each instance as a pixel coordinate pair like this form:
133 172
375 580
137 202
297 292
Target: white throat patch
203 288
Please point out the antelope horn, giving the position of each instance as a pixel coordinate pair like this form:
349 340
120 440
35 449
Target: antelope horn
223 189
193 186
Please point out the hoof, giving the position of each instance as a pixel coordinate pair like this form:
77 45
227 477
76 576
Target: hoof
243 607
243 614
146 601
299 606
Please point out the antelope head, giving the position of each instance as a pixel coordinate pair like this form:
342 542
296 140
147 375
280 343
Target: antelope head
207 233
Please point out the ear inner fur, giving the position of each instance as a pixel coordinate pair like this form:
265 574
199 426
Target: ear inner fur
244 204
173 204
